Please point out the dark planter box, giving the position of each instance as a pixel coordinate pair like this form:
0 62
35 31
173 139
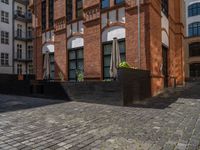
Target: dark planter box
135 84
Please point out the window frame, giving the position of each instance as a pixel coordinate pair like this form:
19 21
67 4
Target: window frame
5 37
194 49
192 29
4 59
5 17
165 7
43 16
106 6
109 55
76 59
194 9
69 10
79 9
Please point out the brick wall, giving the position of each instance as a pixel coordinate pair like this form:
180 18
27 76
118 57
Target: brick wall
151 43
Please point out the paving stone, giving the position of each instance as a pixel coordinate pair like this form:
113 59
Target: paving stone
171 122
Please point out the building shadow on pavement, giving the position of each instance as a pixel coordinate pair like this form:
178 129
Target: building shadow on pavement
170 96
15 103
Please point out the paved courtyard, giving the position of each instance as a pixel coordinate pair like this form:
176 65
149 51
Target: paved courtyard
170 121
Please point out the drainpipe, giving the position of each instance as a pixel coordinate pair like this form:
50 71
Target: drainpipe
139 35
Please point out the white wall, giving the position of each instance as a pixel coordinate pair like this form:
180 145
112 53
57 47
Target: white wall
190 20
9 28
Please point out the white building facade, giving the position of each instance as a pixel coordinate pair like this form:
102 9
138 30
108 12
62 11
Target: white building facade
16 49
192 44
23 48
6 36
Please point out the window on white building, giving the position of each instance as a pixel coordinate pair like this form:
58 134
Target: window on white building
19 68
194 10
4 37
4 17
19 51
30 52
5 1
30 68
4 59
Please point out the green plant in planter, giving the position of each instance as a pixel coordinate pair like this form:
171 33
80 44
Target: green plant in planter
80 76
124 64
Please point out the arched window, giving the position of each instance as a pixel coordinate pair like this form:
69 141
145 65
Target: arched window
107 38
194 29
194 10
194 49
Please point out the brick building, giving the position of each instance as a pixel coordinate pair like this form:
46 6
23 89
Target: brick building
79 34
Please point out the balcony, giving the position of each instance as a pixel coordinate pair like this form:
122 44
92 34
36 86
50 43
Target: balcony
23 36
22 58
24 2
23 16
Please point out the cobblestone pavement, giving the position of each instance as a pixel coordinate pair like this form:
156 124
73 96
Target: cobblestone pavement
171 121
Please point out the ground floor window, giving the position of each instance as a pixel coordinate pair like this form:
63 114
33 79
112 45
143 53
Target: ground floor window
194 49
195 70
19 68
107 48
30 68
52 66
75 58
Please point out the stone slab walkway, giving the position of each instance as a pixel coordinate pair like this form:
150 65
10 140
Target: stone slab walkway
170 121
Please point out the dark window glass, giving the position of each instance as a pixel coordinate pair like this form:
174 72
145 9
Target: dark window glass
194 49
165 7
51 13
69 10
75 63
119 1
79 8
194 29
195 70
194 10
43 15
105 4
107 48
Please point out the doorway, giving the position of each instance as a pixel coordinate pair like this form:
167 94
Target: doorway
165 65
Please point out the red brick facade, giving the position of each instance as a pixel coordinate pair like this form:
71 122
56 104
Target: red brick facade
151 38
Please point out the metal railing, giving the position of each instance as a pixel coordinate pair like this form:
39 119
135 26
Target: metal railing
22 57
23 15
23 35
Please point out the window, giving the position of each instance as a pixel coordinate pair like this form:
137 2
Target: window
5 1
51 13
165 7
105 4
194 10
30 52
75 63
30 68
19 31
194 49
195 70
52 65
4 17
4 59
19 68
43 15
194 29
4 37
107 48
29 32
119 1
79 8
69 10
19 51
